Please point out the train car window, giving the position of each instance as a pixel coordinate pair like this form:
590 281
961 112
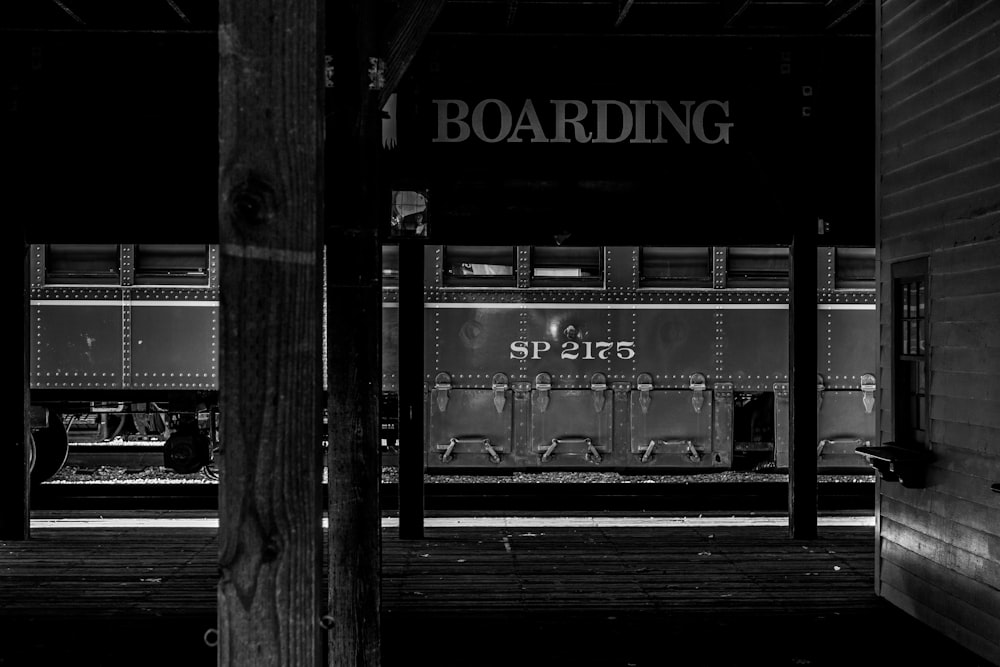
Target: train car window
390 265
676 267
757 267
854 268
557 266
479 266
177 264
82 264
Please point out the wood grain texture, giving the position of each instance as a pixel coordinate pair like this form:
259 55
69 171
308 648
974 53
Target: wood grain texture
270 208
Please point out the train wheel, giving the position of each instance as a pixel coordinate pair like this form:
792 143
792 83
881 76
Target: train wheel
49 445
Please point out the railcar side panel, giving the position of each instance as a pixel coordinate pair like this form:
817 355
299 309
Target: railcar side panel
672 341
754 345
673 428
77 341
160 341
571 427
470 428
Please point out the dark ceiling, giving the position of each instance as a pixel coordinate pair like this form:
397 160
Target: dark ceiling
841 18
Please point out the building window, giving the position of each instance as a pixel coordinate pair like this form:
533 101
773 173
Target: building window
676 267
82 264
910 351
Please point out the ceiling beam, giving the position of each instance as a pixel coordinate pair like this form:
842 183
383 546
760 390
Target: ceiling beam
733 11
179 11
839 10
70 12
405 33
623 7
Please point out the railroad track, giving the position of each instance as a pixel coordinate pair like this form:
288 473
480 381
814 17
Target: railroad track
510 497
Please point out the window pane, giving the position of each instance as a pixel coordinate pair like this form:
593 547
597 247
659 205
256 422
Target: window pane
757 267
82 264
409 212
854 267
566 264
479 265
676 266
179 264
390 265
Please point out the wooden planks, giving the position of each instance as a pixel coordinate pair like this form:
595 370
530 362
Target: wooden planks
700 570
718 595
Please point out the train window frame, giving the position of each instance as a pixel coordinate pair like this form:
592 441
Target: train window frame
66 276
701 281
759 279
480 273
165 275
566 281
849 257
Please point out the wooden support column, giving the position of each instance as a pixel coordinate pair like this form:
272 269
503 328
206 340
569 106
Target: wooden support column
355 207
15 486
270 210
411 389
803 418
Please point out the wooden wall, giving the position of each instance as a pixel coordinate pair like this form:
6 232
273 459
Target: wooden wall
939 198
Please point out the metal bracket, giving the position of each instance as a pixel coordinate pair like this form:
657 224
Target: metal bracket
591 454
598 385
868 392
644 383
448 454
543 383
687 445
442 385
500 385
698 387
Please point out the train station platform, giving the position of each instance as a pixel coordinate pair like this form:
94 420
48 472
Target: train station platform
511 591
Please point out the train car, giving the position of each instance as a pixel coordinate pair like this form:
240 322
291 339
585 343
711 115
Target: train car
536 357
124 338
637 358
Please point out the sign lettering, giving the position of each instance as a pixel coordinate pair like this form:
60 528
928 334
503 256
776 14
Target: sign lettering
573 350
577 121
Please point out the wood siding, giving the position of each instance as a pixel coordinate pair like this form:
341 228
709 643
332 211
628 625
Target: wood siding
939 197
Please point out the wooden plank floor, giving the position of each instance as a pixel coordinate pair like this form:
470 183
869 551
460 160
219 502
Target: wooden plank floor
482 596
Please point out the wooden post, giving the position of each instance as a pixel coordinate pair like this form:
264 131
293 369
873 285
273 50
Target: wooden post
803 420
15 485
270 207
411 389
354 322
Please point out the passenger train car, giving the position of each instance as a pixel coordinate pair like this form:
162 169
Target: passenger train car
536 357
